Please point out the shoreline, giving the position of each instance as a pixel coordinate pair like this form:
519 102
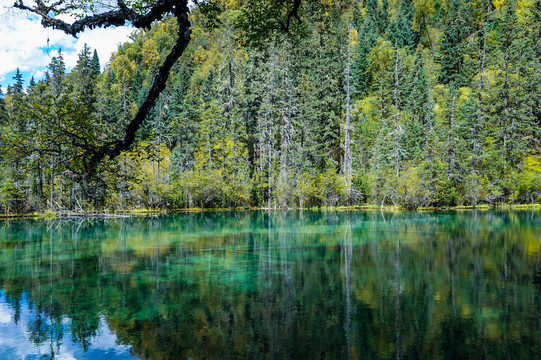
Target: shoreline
146 212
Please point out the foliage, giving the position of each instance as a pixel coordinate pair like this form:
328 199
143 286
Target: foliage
410 103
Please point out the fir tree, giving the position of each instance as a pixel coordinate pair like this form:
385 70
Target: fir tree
457 29
419 106
84 78
3 111
361 74
17 87
96 68
400 31
58 70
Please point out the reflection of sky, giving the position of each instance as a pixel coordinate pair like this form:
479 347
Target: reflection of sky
15 343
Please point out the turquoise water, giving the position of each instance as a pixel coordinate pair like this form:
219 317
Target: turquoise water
284 285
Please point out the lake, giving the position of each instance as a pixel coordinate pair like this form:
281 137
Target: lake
279 285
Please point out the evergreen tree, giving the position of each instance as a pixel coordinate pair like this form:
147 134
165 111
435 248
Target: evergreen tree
457 29
96 68
400 30
84 78
419 106
58 70
17 87
3 110
376 112
511 98
361 74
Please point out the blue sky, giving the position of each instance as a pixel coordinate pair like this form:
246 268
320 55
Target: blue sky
23 44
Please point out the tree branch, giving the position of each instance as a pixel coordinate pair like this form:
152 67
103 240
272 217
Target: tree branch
117 17
113 149
94 155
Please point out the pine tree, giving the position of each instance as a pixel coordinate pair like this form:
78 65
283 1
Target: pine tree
468 138
84 78
511 98
400 30
451 57
289 155
361 74
419 106
17 87
17 104
184 108
96 68
267 128
449 133
3 110
347 162
398 132
58 70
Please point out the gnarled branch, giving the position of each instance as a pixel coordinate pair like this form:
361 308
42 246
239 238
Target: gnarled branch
96 154
113 149
117 17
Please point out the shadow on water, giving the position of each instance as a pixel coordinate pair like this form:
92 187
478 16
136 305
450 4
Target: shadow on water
282 285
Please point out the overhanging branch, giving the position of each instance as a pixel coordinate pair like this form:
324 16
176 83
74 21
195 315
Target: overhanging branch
114 149
118 17
96 154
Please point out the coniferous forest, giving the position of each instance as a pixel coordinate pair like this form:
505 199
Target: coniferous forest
411 103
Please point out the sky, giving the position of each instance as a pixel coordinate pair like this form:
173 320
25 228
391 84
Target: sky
23 44
15 341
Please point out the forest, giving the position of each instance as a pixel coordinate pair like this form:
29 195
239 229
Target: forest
410 103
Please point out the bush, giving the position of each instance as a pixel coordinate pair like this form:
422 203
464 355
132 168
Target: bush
331 188
361 188
327 188
11 198
475 189
209 189
413 191
307 192
529 181
447 194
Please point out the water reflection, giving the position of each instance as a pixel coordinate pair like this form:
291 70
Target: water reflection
250 285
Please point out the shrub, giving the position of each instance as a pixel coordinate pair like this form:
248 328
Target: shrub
413 191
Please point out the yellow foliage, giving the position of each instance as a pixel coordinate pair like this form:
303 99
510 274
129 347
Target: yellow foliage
498 4
150 55
124 68
381 55
199 55
464 94
524 9
354 38
232 4
394 5
366 105
423 10
533 164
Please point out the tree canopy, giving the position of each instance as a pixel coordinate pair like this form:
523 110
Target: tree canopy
283 103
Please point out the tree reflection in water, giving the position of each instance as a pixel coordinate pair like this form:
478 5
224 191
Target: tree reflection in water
250 285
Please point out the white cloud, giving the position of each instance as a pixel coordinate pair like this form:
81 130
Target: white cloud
23 42
5 314
38 74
